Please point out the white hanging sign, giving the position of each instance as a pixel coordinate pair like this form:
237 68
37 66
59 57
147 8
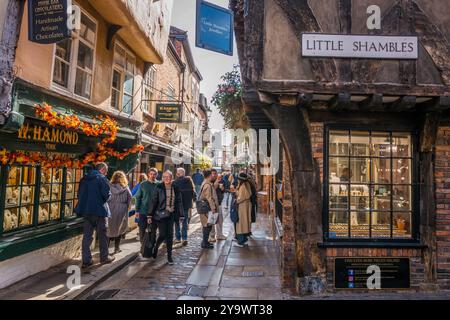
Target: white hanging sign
359 46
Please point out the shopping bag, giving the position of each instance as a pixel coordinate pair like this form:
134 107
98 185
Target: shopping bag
212 218
146 247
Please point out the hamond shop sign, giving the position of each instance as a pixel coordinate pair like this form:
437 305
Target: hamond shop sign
359 46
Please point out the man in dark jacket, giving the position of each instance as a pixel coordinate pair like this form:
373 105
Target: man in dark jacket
165 208
143 198
93 193
198 179
188 195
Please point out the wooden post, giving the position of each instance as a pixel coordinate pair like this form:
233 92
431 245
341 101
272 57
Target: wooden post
8 44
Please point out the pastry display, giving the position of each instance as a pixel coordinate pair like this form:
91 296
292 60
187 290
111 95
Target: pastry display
26 194
43 214
25 216
10 221
12 196
44 196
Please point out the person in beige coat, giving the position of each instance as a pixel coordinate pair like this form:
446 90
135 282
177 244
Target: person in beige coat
208 193
244 225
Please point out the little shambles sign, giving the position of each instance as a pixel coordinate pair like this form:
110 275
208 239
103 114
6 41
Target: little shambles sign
359 46
168 113
48 20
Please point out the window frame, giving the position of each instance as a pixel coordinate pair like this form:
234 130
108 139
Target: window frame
415 187
149 85
73 63
122 70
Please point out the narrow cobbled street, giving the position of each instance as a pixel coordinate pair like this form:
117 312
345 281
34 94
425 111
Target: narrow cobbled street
226 272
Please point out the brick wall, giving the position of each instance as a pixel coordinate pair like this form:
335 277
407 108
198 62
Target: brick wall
442 180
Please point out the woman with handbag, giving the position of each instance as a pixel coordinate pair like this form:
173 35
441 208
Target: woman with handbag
207 207
166 207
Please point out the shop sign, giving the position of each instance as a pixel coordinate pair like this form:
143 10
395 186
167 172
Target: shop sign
372 273
168 113
48 20
359 46
214 28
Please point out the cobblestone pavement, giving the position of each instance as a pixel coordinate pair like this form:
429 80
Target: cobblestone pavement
226 272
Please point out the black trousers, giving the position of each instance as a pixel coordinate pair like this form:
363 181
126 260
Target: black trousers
165 228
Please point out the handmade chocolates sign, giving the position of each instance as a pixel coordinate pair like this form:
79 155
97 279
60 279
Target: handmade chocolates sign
48 20
372 273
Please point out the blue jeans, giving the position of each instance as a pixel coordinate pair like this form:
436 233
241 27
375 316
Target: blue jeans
100 224
242 238
182 233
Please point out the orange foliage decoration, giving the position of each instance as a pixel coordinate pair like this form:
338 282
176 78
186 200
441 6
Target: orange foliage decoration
106 126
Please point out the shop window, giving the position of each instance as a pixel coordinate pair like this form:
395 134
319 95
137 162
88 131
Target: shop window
122 89
74 60
369 185
33 192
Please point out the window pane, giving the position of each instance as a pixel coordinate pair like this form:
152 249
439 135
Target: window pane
128 84
338 197
115 98
359 221
402 198
381 197
64 49
83 84
119 56
116 80
55 213
26 216
360 143
402 171
44 213
381 144
401 145
338 168
402 225
339 141
61 73
359 197
381 171
130 64
87 31
381 224
11 219
338 224
359 170
127 104
85 57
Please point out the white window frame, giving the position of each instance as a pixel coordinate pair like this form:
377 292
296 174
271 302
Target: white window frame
73 67
172 88
123 72
149 85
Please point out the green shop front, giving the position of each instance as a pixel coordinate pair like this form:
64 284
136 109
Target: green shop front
36 204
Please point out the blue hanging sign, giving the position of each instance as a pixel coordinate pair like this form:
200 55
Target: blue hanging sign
48 21
214 28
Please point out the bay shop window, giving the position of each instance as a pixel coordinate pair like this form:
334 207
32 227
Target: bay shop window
370 185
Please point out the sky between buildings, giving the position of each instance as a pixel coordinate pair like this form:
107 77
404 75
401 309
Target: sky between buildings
212 65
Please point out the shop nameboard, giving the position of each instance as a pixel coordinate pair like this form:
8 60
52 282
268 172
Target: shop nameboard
214 28
367 273
359 46
168 113
48 20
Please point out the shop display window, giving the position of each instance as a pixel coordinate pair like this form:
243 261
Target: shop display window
370 185
34 197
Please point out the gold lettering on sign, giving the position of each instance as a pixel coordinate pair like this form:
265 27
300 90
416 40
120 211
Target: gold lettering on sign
48 135
55 135
37 133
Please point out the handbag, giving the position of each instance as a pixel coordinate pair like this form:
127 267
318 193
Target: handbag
234 215
212 218
146 247
202 205
165 214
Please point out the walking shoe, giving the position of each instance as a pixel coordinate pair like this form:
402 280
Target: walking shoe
170 261
108 260
185 243
87 265
212 240
222 237
207 246
176 241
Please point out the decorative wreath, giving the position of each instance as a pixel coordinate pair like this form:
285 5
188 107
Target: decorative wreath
105 126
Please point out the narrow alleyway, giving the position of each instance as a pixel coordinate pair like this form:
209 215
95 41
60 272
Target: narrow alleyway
227 272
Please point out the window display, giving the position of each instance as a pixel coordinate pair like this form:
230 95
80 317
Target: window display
370 184
32 192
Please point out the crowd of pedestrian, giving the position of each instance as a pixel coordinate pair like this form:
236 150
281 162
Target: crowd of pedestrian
163 209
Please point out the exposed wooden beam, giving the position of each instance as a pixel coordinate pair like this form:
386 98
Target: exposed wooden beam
428 134
404 103
341 101
373 103
112 30
436 104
